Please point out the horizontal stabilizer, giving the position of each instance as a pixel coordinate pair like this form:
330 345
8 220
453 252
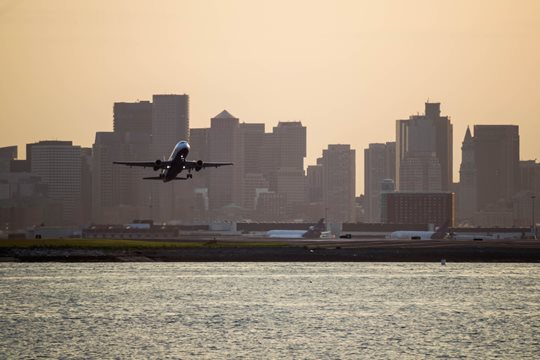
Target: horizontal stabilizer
160 178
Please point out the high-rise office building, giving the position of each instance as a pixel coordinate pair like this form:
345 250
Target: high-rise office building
530 176
421 172
314 180
496 149
132 117
466 196
252 136
7 155
423 145
198 139
253 179
379 165
170 124
290 144
58 164
528 196
120 193
86 185
287 174
23 196
225 144
338 162
292 183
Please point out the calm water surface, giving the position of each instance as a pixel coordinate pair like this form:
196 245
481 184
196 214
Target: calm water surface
269 310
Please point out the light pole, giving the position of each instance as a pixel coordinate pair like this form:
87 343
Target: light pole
533 197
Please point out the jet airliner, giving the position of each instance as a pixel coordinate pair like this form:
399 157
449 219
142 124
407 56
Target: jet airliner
175 165
314 232
441 233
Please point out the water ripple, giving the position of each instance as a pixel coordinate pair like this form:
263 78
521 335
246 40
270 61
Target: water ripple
269 310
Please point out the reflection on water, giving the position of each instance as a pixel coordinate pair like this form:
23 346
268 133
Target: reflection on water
269 310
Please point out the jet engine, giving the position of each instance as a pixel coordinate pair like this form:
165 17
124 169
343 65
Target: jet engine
157 165
199 165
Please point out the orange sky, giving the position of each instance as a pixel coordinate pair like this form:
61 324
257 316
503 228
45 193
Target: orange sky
346 69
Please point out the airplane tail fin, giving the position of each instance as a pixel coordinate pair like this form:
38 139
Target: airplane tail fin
315 230
442 231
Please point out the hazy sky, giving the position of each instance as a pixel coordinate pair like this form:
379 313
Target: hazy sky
346 69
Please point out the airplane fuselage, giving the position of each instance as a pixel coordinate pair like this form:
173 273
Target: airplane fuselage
177 161
418 235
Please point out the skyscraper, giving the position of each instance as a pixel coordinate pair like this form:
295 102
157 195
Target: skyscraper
58 164
466 197
252 137
198 139
314 180
496 149
290 144
170 124
528 195
132 117
120 193
338 162
225 144
7 155
379 164
424 151
420 172
288 177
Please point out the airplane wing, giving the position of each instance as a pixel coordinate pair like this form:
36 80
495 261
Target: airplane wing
201 165
152 164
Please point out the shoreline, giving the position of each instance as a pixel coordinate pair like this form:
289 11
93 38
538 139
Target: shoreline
514 251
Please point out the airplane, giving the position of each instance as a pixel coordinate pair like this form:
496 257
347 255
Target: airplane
314 232
175 165
441 233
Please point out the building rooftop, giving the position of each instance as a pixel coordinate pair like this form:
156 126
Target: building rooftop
224 115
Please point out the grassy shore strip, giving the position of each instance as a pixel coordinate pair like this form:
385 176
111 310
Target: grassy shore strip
126 244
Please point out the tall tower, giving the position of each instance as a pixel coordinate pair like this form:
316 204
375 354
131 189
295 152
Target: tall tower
291 144
58 163
289 176
424 150
132 117
170 124
466 199
225 144
252 135
379 164
119 193
496 149
339 169
253 180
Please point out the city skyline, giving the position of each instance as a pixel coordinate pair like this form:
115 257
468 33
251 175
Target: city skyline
339 69
22 148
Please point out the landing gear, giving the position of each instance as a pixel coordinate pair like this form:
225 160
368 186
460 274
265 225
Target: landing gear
189 176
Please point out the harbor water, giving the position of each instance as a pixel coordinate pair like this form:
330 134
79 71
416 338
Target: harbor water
269 310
